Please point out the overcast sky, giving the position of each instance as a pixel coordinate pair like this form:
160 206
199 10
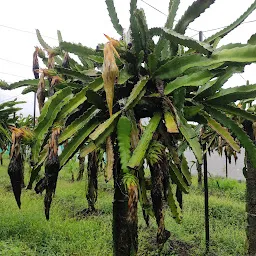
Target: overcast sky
86 21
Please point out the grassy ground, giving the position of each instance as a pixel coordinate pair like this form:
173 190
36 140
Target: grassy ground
26 232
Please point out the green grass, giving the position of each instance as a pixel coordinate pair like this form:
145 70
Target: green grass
26 232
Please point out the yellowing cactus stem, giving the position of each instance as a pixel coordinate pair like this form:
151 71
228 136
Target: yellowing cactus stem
110 71
110 159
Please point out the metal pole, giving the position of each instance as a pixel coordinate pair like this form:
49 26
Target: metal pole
201 36
206 201
226 165
206 192
34 121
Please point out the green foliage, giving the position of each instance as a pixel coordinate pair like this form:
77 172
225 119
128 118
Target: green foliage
193 12
41 40
155 152
232 26
113 16
75 74
177 38
20 84
143 28
194 79
236 112
7 111
88 148
185 170
152 63
173 7
36 169
232 94
92 145
210 90
77 49
240 54
102 127
223 132
124 141
9 104
78 99
179 100
59 36
78 139
239 133
174 206
133 6
135 29
177 178
46 46
78 124
252 39
95 99
179 65
190 135
96 85
28 89
140 151
136 94
123 76
130 179
47 117
191 111
3 85
73 86
4 135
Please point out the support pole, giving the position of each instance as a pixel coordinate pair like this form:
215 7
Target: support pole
200 36
206 201
226 165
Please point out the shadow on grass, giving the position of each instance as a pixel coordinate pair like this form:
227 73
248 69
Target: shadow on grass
148 245
83 214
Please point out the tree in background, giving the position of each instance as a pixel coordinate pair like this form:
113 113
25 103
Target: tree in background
7 119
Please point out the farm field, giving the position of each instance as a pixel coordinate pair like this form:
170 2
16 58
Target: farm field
150 105
26 232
